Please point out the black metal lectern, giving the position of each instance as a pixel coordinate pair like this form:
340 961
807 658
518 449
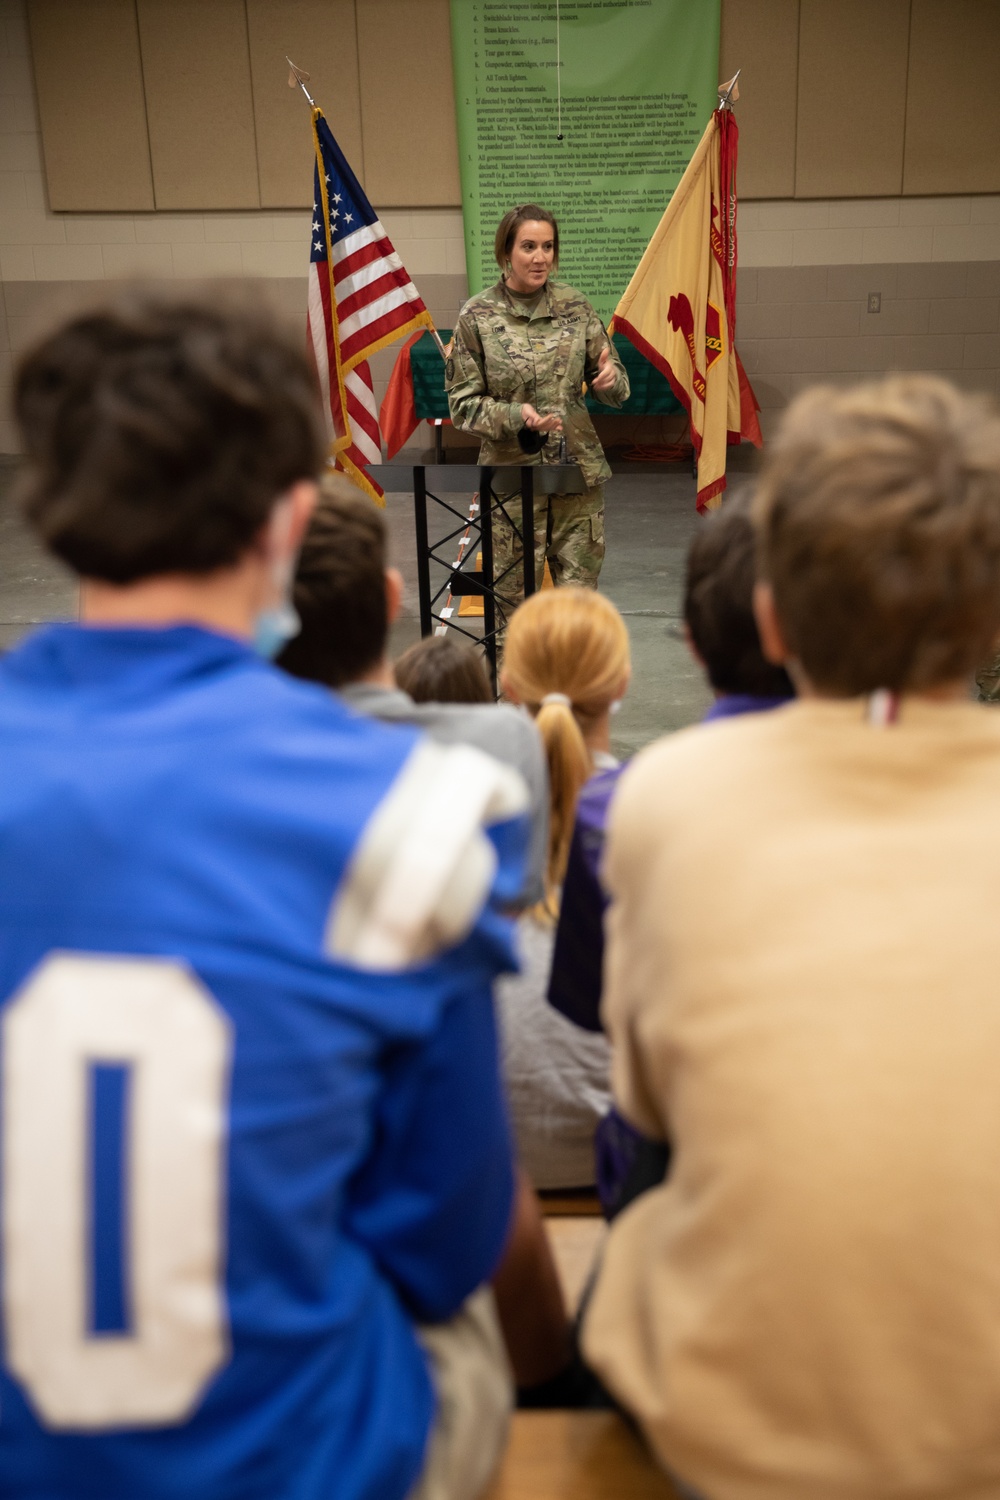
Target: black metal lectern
431 482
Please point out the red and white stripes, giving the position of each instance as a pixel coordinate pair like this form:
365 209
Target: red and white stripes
375 295
360 299
361 425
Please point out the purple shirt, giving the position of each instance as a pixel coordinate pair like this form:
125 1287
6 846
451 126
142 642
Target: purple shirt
575 981
727 705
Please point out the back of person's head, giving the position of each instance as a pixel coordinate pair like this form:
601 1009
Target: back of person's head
718 604
567 659
441 670
159 431
878 515
339 590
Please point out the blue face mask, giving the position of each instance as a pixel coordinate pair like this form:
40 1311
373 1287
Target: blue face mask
274 628
276 625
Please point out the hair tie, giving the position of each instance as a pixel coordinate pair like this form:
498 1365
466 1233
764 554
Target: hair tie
882 709
556 698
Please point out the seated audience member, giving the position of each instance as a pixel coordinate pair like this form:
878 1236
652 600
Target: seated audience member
346 599
439 669
801 994
718 614
722 634
567 660
231 959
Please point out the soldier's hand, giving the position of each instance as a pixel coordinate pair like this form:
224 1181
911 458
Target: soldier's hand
606 374
537 423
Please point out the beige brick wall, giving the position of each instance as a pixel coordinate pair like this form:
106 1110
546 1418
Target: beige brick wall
49 261
870 231
37 245
802 324
806 267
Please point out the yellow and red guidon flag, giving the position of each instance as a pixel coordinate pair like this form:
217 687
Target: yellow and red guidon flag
679 309
360 299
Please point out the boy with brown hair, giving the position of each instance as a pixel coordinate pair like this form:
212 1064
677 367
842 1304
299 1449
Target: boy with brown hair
346 598
802 995
256 1162
719 622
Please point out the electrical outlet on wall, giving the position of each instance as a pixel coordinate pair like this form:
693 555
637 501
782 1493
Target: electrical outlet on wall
874 302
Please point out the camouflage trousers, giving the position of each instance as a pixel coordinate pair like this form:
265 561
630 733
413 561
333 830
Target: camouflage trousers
569 535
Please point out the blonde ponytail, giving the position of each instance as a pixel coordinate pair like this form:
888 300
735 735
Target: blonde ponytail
566 656
569 767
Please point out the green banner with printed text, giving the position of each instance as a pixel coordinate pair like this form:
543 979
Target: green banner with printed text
628 85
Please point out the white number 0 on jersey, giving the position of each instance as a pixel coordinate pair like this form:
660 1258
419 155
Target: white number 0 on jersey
76 1012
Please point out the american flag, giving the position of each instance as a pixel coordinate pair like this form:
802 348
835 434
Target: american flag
360 299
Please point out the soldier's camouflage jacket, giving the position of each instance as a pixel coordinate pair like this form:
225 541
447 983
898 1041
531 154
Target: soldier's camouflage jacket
502 356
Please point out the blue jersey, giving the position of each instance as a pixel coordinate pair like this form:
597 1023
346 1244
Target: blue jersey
246 1144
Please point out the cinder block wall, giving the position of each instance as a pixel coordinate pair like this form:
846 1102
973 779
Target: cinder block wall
807 270
49 262
806 267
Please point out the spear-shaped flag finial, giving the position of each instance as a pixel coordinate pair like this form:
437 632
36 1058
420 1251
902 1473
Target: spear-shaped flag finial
297 79
728 92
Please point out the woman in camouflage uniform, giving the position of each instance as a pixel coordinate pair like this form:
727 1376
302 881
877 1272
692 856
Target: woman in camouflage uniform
519 357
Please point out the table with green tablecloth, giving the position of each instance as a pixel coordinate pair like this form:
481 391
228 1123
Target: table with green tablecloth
650 395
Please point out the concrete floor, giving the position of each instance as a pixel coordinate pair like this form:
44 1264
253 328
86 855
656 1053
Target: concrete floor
33 586
650 520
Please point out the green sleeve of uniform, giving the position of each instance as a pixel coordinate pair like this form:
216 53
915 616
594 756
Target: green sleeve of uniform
598 338
472 407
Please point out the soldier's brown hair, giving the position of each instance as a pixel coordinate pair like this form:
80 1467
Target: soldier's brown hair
878 514
511 222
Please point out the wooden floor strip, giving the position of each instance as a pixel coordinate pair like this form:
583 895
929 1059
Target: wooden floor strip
577 1455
